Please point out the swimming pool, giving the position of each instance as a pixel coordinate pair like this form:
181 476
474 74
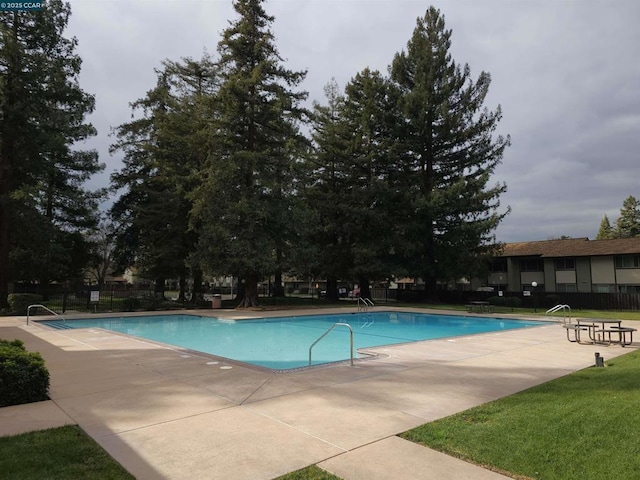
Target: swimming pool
283 343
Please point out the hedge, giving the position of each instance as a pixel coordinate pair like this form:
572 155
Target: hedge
24 378
19 302
505 301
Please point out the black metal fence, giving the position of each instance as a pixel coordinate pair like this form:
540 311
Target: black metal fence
120 298
109 299
545 300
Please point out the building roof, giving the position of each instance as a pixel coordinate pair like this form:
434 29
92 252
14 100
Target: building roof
572 247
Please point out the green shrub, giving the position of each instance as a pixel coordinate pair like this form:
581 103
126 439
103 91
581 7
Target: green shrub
551 300
172 305
505 301
513 302
151 302
497 301
19 302
131 304
23 375
19 344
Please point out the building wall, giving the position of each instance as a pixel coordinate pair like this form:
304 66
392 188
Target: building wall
513 272
498 278
603 270
583 274
565 276
550 279
527 278
628 276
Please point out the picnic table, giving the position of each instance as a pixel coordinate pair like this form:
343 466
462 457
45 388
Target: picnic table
605 331
479 307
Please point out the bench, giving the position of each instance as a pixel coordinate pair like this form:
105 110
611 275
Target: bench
622 332
576 329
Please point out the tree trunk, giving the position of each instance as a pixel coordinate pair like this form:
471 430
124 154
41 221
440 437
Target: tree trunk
183 286
7 158
250 292
158 288
430 287
197 286
278 288
4 245
239 290
332 289
365 291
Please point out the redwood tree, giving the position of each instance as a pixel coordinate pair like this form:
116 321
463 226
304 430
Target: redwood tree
450 152
42 175
255 139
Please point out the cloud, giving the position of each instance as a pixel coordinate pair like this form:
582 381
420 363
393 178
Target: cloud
565 73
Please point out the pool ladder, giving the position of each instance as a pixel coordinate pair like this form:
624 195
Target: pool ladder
364 304
47 309
564 309
338 324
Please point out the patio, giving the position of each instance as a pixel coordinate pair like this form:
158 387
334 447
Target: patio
169 413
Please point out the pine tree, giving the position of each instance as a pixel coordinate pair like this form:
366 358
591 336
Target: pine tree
42 116
255 143
628 223
375 179
450 152
164 153
606 231
327 194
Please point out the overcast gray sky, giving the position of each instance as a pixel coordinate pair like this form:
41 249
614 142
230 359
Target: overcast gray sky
566 73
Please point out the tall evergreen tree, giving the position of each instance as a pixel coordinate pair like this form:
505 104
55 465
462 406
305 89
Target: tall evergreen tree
628 223
355 186
164 153
606 231
327 194
256 141
451 153
42 116
375 177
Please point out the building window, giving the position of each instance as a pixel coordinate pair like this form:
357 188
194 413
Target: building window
498 265
566 288
604 288
532 265
629 288
565 264
627 261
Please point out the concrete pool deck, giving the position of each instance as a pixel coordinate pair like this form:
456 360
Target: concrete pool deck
167 413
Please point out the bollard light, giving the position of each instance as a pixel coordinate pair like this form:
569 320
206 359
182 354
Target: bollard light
599 360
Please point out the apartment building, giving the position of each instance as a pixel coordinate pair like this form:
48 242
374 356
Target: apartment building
568 265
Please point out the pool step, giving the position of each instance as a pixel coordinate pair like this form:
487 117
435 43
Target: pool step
58 325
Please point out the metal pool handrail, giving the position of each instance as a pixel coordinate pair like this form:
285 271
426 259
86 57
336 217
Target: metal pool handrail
339 324
564 309
364 304
47 309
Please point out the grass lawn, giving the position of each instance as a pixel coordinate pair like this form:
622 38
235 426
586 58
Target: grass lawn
582 426
309 473
57 454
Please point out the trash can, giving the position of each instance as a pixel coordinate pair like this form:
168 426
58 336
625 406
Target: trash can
216 302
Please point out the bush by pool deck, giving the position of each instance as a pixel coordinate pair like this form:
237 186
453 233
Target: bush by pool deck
168 413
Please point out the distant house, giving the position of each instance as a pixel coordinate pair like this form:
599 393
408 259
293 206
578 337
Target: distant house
568 265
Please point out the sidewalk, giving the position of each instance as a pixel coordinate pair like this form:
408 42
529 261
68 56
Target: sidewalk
167 413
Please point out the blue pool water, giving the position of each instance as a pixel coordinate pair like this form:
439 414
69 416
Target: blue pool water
283 342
